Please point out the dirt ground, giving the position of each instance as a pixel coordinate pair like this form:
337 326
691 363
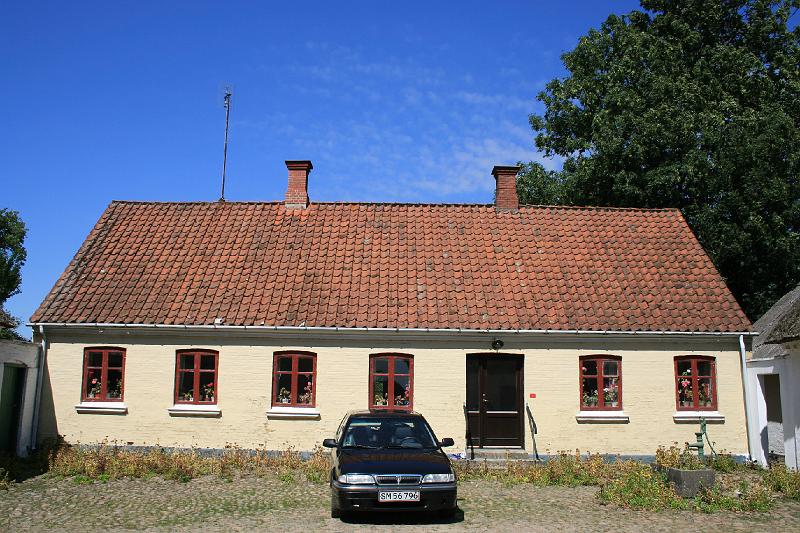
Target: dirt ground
251 503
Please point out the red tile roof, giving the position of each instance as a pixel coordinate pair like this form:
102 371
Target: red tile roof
393 265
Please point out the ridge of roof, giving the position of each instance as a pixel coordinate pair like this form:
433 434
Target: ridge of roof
413 204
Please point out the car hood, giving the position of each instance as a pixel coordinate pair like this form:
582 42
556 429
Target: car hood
393 461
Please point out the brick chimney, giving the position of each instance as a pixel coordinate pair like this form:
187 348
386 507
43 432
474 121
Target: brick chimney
297 191
505 196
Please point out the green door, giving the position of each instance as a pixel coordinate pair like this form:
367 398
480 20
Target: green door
10 407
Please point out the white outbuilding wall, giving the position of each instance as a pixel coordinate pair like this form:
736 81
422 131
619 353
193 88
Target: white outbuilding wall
787 369
24 355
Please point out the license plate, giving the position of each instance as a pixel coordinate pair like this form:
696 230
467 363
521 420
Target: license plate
398 496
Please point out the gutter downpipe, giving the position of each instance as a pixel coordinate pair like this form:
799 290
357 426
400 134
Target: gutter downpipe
749 422
38 397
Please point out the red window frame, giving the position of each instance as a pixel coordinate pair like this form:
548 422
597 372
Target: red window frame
694 377
601 400
105 350
197 353
295 356
390 378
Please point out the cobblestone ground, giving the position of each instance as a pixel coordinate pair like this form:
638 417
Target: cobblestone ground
251 503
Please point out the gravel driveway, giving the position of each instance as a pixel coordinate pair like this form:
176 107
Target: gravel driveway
252 503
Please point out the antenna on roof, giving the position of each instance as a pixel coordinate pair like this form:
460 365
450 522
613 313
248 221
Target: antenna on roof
227 103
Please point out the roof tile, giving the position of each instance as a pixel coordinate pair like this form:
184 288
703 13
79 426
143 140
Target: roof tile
393 265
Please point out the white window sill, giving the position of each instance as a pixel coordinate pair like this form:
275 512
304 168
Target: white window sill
180 409
602 417
102 408
695 416
308 413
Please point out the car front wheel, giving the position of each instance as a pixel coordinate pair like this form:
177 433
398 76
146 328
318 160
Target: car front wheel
335 511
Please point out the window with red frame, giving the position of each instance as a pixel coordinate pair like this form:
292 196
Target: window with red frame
103 371
695 383
601 382
391 381
294 378
196 376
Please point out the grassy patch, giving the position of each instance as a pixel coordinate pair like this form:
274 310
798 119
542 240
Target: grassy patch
784 481
642 488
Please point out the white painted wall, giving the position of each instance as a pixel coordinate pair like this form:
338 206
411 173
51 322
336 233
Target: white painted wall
22 354
788 369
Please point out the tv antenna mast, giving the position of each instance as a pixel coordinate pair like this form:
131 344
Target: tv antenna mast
227 103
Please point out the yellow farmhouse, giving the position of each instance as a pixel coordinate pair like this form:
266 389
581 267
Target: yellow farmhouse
520 328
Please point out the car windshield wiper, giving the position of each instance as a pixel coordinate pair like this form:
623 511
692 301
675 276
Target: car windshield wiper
361 446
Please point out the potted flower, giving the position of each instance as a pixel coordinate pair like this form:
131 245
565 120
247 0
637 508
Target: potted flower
685 393
208 393
590 399
610 395
284 395
381 400
306 396
188 396
95 388
115 391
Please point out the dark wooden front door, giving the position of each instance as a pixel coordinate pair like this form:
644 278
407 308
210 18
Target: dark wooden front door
494 400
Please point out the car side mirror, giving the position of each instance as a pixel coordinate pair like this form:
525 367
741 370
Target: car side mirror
329 443
447 441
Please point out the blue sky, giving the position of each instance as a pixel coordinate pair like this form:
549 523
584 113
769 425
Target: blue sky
392 101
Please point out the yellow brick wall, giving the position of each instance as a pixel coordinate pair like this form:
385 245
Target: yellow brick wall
245 378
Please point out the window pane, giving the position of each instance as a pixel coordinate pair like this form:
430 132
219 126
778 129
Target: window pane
207 362
186 386
380 390
703 368
381 365
305 364
283 389
305 393
611 392
610 368
589 367
115 359
95 359
685 395
285 363
704 393
402 365
402 391
187 361
114 384
93 384
589 392
207 393
684 368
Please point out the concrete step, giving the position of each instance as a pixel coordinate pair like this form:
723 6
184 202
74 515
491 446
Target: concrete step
499 454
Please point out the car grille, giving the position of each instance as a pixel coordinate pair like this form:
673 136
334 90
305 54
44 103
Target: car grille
398 479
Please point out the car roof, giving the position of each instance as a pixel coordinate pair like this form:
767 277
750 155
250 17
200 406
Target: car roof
383 412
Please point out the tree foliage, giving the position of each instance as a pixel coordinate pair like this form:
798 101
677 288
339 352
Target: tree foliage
692 104
12 257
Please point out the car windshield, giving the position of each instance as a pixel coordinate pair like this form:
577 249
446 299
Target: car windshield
388 432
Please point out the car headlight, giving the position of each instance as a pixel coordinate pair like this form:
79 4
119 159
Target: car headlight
357 479
439 478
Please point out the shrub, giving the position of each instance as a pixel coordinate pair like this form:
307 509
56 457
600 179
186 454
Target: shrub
109 462
747 498
642 488
674 457
782 480
5 482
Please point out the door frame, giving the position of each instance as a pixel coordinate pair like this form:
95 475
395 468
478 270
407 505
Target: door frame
478 436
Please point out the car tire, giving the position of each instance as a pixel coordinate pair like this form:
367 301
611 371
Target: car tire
335 511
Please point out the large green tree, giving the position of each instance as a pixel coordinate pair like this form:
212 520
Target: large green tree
692 104
12 257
